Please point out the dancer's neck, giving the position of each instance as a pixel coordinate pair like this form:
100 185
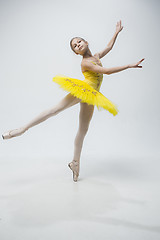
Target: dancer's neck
87 54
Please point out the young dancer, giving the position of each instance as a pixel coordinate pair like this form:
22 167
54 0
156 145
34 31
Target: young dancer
85 92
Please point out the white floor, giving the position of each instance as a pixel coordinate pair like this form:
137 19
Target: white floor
115 198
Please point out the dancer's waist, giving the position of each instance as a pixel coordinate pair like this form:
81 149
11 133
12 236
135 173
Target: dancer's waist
95 83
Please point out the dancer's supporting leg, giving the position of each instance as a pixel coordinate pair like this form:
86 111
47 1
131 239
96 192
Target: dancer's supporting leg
65 103
86 113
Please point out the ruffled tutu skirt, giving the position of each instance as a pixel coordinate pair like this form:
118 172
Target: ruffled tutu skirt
86 93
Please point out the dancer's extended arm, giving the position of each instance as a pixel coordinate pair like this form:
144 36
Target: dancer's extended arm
112 41
98 69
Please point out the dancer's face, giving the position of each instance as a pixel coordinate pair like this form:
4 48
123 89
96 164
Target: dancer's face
80 46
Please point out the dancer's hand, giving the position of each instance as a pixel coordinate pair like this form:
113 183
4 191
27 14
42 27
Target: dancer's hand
135 65
119 27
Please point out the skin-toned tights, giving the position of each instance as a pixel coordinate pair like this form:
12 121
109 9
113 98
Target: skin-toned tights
86 112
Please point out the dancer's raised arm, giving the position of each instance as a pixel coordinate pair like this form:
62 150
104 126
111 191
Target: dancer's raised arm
86 65
112 41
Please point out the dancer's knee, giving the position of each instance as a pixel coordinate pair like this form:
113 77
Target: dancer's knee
54 111
84 130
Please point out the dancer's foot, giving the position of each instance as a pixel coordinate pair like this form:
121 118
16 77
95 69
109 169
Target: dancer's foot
74 166
13 133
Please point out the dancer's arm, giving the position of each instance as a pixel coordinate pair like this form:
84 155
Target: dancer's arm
98 69
112 41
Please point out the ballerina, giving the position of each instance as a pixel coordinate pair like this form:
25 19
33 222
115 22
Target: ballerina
86 92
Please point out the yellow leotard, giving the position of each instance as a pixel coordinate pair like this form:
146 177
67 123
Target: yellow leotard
87 90
93 79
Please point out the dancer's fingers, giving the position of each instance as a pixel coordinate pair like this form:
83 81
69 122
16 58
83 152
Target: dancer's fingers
142 60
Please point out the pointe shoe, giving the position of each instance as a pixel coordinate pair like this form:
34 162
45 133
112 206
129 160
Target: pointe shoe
74 166
13 133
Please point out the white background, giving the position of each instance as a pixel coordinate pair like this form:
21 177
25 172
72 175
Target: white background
34 47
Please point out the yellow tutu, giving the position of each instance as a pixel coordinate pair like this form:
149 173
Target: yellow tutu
86 93
87 90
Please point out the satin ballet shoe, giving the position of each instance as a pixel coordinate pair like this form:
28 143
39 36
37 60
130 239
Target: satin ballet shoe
74 166
10 134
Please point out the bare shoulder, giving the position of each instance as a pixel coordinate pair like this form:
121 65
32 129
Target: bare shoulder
84 63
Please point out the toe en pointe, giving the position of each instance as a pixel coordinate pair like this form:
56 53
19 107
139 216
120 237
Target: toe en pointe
13 133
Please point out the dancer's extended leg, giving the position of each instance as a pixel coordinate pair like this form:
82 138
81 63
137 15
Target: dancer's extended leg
86 113
66 102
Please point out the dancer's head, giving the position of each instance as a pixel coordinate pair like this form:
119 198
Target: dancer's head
79 45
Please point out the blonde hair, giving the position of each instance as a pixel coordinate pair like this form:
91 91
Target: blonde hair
72 40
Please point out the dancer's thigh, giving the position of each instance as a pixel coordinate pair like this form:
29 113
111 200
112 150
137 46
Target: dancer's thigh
85 116
68 101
